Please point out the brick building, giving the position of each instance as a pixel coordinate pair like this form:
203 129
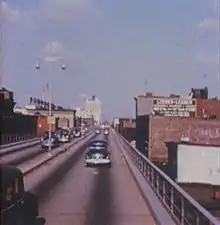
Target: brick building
160 119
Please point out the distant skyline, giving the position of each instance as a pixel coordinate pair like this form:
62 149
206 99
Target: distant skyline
113 49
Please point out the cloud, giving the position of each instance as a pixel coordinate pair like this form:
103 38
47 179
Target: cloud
9 14
113 50
53 51
208 23
66 10
207 58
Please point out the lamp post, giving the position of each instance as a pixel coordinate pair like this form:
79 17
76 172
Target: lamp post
63 67
218 42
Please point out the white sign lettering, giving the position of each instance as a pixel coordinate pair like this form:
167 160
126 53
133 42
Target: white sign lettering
175 107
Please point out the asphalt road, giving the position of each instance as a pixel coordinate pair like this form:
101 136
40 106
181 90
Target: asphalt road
96 196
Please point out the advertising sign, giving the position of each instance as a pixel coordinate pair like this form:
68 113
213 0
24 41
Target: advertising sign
175 107
51 120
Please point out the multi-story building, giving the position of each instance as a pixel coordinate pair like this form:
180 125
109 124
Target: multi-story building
93 106
161 119
196 104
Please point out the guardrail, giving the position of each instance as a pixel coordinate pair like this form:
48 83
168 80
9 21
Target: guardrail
184 209
12 138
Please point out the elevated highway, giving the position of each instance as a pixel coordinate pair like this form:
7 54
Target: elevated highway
132 191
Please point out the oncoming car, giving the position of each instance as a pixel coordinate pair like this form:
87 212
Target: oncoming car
17 205
64 136
97 154
45 142
77 133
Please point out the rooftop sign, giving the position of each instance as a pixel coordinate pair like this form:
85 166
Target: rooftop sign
175 107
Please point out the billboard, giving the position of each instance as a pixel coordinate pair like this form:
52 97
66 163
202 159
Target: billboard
206 169
183 107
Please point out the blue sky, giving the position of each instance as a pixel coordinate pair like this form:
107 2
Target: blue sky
110 48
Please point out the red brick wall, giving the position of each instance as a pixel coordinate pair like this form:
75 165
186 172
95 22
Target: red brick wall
164 129
207 107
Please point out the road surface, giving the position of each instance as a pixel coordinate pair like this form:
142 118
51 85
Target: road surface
99 196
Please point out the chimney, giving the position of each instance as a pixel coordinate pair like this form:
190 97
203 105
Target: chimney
93 97
149 94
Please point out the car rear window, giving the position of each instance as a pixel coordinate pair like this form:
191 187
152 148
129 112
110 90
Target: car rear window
12 191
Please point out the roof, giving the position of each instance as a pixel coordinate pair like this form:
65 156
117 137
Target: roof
8 172
4 90
191 144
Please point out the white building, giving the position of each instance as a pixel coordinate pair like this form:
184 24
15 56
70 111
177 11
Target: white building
94 106
83 113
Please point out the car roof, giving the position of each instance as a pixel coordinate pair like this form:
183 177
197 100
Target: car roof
10 172
98 141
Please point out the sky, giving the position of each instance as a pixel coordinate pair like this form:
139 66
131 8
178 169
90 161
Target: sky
114 49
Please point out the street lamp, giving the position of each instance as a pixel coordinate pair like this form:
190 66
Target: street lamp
63 67
218 42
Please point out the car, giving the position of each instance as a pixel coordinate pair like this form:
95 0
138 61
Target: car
97 131
77 132
97 156
98 144
45 140
106 132
64 136
17 205
83 132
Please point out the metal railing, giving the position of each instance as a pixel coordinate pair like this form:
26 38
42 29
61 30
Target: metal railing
184 209
11 138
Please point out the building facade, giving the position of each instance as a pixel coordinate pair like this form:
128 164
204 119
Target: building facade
93 106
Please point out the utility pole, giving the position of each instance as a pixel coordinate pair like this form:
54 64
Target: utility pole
1 40
218 43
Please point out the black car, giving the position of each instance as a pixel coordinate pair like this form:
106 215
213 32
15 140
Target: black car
45 140
96 156
97 153
17 205
98 144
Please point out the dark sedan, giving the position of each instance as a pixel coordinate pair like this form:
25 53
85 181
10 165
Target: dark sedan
97 154
45 142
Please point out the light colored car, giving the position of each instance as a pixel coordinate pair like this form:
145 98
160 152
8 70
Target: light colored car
97 131
77 133
64 137
106 132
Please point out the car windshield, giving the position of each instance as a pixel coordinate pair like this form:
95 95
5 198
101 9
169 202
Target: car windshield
46 135
98 143
65 132
100 151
